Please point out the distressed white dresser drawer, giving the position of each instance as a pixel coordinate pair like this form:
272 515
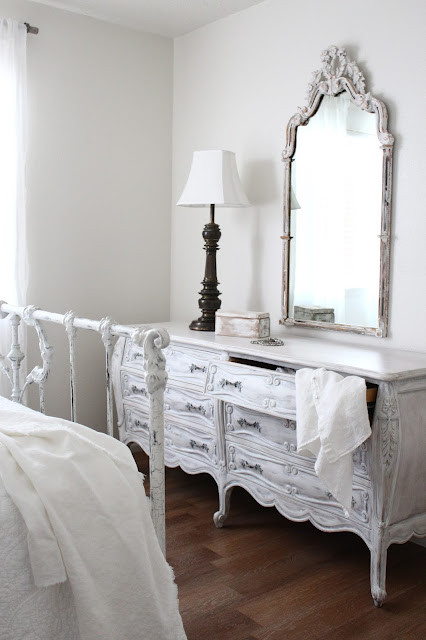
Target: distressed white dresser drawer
361 458
189 405
133 387
182 364
179 439
137 420
190 442
133 355
261 428
187 365
255 464
290 477
253 387
281 435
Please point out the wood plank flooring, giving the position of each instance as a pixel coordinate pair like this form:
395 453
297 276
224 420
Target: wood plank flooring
263 577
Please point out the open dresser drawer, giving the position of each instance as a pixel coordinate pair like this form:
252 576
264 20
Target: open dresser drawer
253 387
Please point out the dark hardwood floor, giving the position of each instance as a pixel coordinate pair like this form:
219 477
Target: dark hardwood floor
263 577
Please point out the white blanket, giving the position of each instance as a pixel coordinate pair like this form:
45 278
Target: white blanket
83 502
332 421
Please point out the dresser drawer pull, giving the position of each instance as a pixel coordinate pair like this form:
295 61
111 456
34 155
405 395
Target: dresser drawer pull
195 367
192 407
227 383
256 467
244 423
142 392
138 423
195 445
137 355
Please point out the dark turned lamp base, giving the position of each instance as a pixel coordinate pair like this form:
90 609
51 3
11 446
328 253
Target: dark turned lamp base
209 302
203 324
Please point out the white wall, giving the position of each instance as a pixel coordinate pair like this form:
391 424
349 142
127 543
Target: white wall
236 84
99 165
99 175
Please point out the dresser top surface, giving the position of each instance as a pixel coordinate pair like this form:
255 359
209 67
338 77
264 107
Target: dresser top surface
377 363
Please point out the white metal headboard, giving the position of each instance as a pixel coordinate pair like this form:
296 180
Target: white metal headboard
152 341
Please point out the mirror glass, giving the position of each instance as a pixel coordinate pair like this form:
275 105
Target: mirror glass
335 216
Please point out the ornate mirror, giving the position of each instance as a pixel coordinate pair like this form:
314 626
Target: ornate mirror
337 203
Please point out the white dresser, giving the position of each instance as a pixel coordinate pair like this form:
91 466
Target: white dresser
230 411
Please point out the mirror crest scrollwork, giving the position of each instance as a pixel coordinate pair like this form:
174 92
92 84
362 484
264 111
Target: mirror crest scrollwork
337 204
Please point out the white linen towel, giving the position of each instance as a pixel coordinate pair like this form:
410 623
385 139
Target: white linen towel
332 421
88 521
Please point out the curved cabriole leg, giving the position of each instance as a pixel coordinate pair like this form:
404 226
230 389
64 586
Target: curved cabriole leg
386 433
378 572
224 506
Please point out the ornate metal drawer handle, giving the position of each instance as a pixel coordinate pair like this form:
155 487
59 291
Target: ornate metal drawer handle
138 423
244 423
137 355
227 383
195 445
256 467
135 389
192 407
195 367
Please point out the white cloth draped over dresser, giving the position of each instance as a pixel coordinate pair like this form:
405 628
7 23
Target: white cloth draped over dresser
332 421
83 503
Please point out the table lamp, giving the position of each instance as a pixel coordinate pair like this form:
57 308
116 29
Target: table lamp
213 182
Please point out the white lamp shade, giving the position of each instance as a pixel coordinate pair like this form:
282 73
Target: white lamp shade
213 179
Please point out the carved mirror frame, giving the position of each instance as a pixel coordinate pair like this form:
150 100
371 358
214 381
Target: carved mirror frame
337 75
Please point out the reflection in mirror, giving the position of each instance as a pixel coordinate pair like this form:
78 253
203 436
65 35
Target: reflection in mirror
335 216
337 204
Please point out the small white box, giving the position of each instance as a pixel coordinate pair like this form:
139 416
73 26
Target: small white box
244 324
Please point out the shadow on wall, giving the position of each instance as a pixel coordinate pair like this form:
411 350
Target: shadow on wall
262 189
90 376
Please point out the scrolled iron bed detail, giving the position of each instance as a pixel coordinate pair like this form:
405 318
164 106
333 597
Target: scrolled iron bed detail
153 341
150 340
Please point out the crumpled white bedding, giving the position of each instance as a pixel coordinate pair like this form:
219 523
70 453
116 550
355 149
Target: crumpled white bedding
28 612
74 517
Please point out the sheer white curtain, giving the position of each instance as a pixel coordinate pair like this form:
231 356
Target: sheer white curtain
13 255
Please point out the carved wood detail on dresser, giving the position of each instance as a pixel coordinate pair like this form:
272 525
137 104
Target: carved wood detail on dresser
229 412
